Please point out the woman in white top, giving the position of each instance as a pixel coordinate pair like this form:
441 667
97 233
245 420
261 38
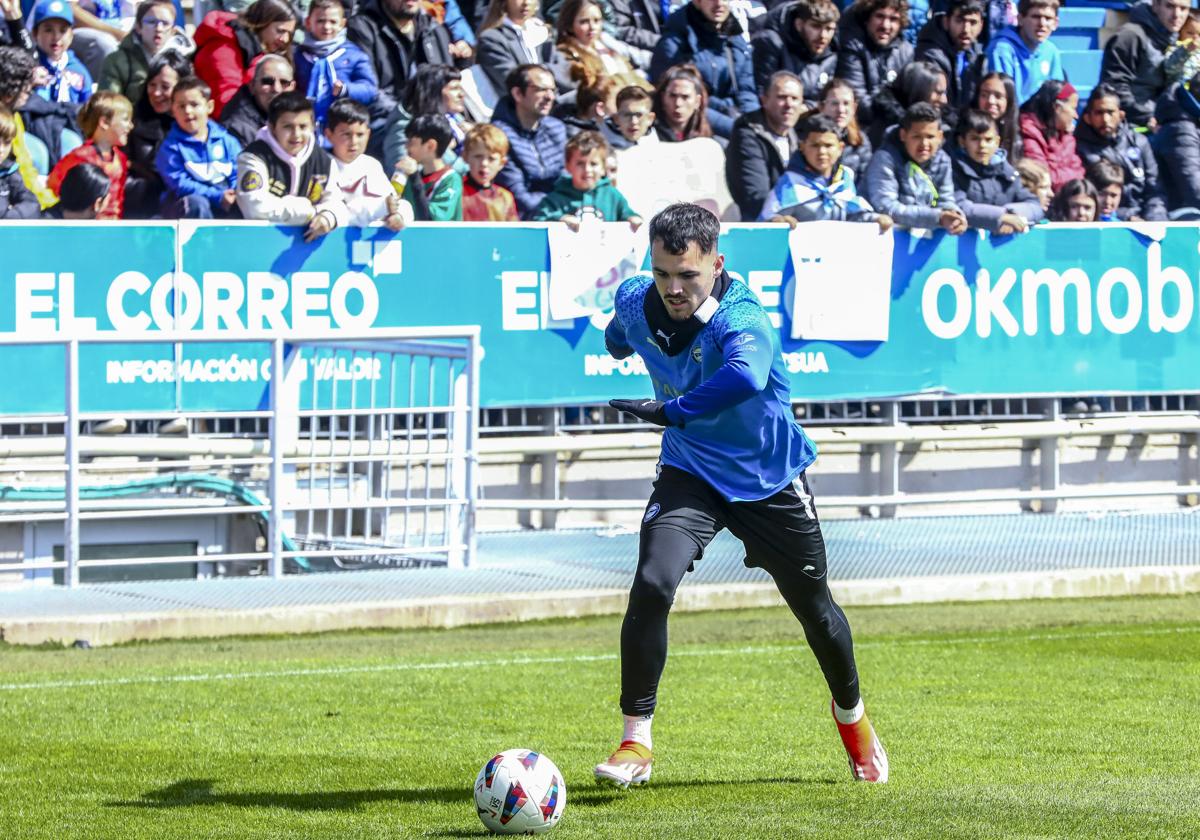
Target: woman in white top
512 34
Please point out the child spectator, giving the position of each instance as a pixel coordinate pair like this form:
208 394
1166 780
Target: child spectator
920 81
357 177
681 105
61 76
594 103
16 201
634 116
910 176
16 84
1025 51
820 188
1182 60
871 51
950 40
1047 131
151 122
799 38
986 187
228 43
106 120
125 70
483 199
1109 180
1036 179
997 97
1103 134
327 65
585 190
838 103
285 176
84 192
198 158
437 195
1077 201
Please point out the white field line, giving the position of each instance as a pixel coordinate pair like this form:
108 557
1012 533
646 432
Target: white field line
461 664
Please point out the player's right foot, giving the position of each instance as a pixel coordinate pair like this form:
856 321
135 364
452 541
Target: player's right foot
868 761
629 765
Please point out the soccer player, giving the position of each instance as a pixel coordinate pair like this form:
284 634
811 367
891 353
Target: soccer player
732 457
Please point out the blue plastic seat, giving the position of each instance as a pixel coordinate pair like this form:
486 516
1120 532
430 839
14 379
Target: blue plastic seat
1082 66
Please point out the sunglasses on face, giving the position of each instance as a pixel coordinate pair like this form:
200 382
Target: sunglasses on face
271 81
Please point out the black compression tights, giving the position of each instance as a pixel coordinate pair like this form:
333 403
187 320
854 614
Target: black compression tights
665 556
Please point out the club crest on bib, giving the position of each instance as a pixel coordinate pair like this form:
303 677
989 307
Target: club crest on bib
652 512
696 354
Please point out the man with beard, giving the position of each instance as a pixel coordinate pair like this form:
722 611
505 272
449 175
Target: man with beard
799 38
398 36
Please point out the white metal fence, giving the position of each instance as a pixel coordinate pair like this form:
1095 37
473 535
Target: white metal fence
370 459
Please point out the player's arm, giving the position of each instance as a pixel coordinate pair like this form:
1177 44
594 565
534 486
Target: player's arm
748 355
615 341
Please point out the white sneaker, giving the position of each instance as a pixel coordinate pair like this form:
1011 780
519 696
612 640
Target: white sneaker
629 765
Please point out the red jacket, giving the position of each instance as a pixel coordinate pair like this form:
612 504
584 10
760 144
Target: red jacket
1057 155
224 52
116 168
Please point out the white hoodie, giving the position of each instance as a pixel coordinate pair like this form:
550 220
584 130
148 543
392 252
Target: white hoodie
365 189
256 200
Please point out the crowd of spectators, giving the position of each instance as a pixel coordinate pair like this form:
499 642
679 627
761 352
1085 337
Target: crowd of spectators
946 114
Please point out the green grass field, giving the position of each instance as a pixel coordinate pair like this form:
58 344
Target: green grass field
1037 719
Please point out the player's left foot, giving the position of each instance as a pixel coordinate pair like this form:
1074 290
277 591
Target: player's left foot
868 761
629 765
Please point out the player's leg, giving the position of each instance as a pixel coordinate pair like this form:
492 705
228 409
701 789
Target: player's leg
783 535
680 520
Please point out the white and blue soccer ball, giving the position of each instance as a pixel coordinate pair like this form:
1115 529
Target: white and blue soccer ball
520 792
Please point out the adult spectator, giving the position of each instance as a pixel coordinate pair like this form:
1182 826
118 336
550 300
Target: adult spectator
763 142
536 140
638 25
1047 131
435 89
14 32
997 97
920 81
950 40
798 37
1104 134
1177 143
512 35
1133 58
1025 51
590 53
154 31
246 113
681 105
398 36
16 85
704 34
838 103
227 44
151 121
871 52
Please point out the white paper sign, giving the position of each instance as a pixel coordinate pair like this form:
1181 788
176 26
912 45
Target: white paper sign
587 266
843 288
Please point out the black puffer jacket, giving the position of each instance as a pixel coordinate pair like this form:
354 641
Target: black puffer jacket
242 116
858 158
1133 63
16 201
753 163
1177 144
1131 151
985 193
867 66
781 47
934 45
393 56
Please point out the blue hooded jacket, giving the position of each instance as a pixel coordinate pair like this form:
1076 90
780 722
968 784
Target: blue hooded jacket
199 167
1029 68
73 84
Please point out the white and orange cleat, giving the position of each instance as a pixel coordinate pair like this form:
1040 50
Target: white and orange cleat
868 761
629 765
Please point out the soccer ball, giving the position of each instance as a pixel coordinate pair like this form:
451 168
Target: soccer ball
520 792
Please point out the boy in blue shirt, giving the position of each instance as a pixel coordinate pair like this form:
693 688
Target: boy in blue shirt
732 457
198 158
1025 51
61 77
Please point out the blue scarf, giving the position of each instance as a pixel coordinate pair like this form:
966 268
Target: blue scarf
805 187
323 49
320 82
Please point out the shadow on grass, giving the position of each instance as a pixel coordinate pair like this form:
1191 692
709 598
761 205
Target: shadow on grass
191 793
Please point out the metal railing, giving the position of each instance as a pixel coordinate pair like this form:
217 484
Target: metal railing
370 457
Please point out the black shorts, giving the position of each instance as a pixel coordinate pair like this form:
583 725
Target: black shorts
781 533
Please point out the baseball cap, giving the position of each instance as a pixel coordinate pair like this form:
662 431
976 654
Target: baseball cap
50 9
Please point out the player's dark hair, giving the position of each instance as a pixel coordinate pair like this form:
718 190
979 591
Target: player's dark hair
683 223
432 127
974 120
346 110
292 102
817 124
82 187
921 112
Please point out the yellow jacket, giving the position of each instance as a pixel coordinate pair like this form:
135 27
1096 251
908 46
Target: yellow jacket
29 173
